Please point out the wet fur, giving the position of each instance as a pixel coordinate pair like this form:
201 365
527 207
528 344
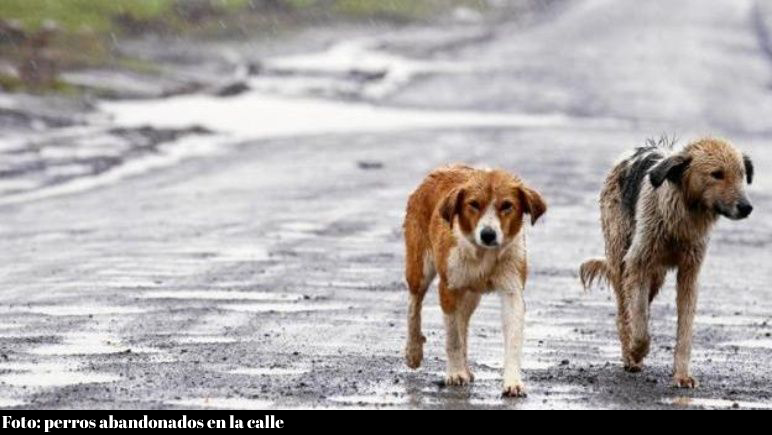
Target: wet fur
440 224
657 210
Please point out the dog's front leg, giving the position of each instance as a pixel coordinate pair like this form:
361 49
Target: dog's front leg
513 321
686 302
457 373
637 298
468 304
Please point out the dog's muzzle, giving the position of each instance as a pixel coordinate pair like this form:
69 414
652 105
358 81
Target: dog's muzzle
741 210
744 209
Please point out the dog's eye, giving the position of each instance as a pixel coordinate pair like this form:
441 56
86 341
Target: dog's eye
506 206
474 205
718 175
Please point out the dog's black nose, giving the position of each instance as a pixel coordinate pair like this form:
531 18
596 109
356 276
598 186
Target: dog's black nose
745 209
488 236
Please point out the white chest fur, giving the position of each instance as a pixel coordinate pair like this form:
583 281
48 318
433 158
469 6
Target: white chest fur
469 265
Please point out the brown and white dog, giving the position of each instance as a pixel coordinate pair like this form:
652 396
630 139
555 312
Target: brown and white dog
657 209
466 225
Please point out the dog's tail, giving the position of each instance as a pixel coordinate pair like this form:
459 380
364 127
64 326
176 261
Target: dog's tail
592 270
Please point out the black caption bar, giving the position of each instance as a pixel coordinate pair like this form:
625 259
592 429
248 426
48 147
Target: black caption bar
318 421
52 421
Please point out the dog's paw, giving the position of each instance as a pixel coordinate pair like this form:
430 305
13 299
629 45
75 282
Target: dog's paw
458 378
631 367
414 355
515 389
685 381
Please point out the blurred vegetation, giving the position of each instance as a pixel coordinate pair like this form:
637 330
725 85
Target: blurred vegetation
101 15
39 38
79 14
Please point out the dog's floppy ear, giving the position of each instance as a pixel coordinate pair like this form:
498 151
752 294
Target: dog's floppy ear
672 169
533 202
451 204
748 168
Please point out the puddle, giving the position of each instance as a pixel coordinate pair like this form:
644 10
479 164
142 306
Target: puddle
50 375
10 403
340 284
765 343
94 343
265 371
370 400
235 254
222 403
496 365
10 186
538 365
726 320
77 310
534 402
715 403
27 366
279 116
349 68
543 331
212 324
609 351
284 100
283 308
301 227
126 282
56 379
218 253
220 295
182 149
206 339
479 375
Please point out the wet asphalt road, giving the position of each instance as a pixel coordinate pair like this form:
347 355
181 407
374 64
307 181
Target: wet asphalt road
270 275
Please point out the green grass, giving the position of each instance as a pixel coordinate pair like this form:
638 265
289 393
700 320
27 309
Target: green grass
99 15
86 28
402 9
11 83
75 15
379 9
15 84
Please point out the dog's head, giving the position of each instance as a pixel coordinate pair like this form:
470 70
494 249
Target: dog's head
490 208
712 175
